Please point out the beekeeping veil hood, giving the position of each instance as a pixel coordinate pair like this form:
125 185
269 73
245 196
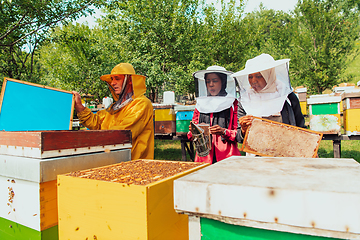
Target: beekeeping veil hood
133 86
205 103
269 100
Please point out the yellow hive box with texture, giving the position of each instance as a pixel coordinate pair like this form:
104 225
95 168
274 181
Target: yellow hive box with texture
133 200
165 114
303 108
351 121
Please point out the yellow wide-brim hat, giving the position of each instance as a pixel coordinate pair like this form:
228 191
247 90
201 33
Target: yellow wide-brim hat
122 68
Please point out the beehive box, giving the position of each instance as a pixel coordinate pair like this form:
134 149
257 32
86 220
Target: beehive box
132 200
324 111
272 198
303 107
28 172
165 119
301 93
46 144
269 138
351 115
28 202
184 115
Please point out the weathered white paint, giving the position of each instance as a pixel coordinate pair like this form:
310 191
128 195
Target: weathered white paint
321 99
26 202
307 193
194 228
43 170
37 153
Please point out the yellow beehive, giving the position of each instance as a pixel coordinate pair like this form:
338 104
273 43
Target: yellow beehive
303 108
132 200
351 114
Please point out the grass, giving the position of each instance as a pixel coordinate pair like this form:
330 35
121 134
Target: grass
171 149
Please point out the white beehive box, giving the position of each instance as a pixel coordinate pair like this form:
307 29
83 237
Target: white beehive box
312 196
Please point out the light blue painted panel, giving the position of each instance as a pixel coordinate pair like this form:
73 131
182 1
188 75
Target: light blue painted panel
184 115
28 107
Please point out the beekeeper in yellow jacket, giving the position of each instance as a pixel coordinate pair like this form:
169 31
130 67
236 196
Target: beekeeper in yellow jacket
131 110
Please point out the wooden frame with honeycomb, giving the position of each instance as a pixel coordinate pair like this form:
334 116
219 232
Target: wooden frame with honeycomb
273 139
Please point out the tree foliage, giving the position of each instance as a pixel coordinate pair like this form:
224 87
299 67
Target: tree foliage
324 37
168 40
25 24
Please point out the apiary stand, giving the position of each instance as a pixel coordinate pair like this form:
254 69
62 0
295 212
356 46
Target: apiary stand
272 198
29 165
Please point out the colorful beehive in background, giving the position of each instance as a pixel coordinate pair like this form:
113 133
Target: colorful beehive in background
165 119
272 198
324 111
301 93
351 115
343 87
29 164
132 200
184 114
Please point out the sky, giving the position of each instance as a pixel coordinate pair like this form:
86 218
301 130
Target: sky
284 5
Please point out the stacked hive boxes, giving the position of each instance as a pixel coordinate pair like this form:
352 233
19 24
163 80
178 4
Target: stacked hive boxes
29 164
165 119
324 111
131 200
272 198
343 87
351 115
301 93
184 114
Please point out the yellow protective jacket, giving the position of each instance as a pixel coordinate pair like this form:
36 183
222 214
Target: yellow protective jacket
137 116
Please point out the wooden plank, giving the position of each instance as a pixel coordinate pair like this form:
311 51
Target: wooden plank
213 230
10 230
111 210
282 194
355 103
165 115
48 205
268 138
96 209
182 126
302 96
351 121
184 115
326 124
24 207
59 140
45 108
162 106
326 108
303 108
163 221
44 170
165 127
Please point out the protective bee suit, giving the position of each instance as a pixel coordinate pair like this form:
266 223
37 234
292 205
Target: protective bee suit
131 110
276 100
217 109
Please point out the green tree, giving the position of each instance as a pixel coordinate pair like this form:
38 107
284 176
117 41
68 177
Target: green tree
158 38
24 25
326 31
75 57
